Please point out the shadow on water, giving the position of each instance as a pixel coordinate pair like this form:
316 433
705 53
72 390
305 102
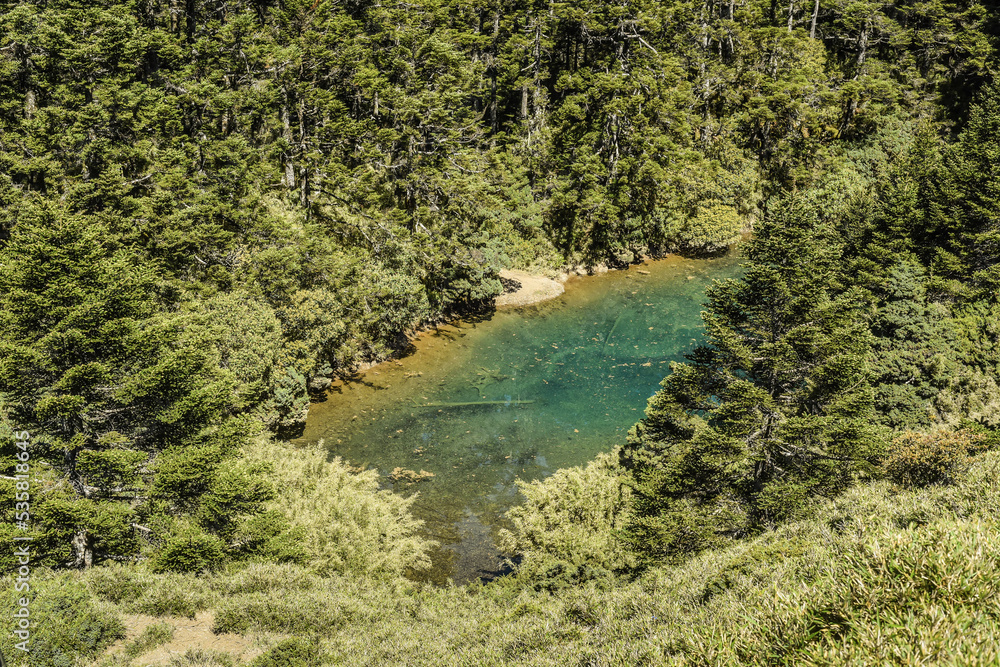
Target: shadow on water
484 402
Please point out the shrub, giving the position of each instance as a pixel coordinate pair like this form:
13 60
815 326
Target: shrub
294 612
292 652
263 578
115 583
555 575
782 501
714 226
921 459
168 603
139 591
571 517
67 625
344 522
190 552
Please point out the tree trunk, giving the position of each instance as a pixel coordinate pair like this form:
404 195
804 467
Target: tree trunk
190 19
303 167
812 26
287 135
83 550
732 17
863 45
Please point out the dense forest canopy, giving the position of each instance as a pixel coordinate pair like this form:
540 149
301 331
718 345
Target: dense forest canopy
209 208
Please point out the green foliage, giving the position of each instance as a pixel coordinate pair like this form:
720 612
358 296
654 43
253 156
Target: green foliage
208 209
239 488
71 530
289 403
140 592
249 340
548 574
971 193
67 625
914 355
944 571
572 516
911 563
292 652
772 410
919 459
112 471
344 523
183 474
299 613
190 551
713 227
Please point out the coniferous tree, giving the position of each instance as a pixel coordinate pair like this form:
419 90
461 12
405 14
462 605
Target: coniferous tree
971 195
773 409
913 353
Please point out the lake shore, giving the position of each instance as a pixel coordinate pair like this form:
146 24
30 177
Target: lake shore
533 289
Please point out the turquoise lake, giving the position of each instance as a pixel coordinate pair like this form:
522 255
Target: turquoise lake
519 394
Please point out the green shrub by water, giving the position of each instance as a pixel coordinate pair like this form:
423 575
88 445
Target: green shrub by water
570 521
344 523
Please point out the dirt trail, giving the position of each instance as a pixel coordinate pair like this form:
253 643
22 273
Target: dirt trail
193 633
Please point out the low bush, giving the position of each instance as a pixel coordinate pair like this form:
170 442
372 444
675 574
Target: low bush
344 522
190 552
67 624
921 459
291 613
571 518
138 590
292 652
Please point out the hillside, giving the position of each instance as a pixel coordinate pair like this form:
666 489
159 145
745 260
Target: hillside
210 210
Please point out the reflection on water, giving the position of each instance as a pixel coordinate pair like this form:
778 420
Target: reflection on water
480 404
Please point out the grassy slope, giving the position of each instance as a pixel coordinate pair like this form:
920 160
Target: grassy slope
878 576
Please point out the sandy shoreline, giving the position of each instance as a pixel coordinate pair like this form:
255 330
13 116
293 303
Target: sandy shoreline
533 289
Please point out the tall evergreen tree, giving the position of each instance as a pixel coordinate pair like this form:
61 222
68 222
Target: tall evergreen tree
772 409
913 355
971 194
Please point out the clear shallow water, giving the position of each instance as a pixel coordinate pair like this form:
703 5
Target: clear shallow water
519 395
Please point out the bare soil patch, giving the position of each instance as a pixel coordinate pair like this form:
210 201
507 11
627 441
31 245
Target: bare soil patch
188 633
533 288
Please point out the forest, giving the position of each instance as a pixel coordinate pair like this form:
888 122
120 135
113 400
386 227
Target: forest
210 209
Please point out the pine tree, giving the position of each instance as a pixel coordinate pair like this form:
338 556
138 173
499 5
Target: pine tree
971 193
913 355
774 408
